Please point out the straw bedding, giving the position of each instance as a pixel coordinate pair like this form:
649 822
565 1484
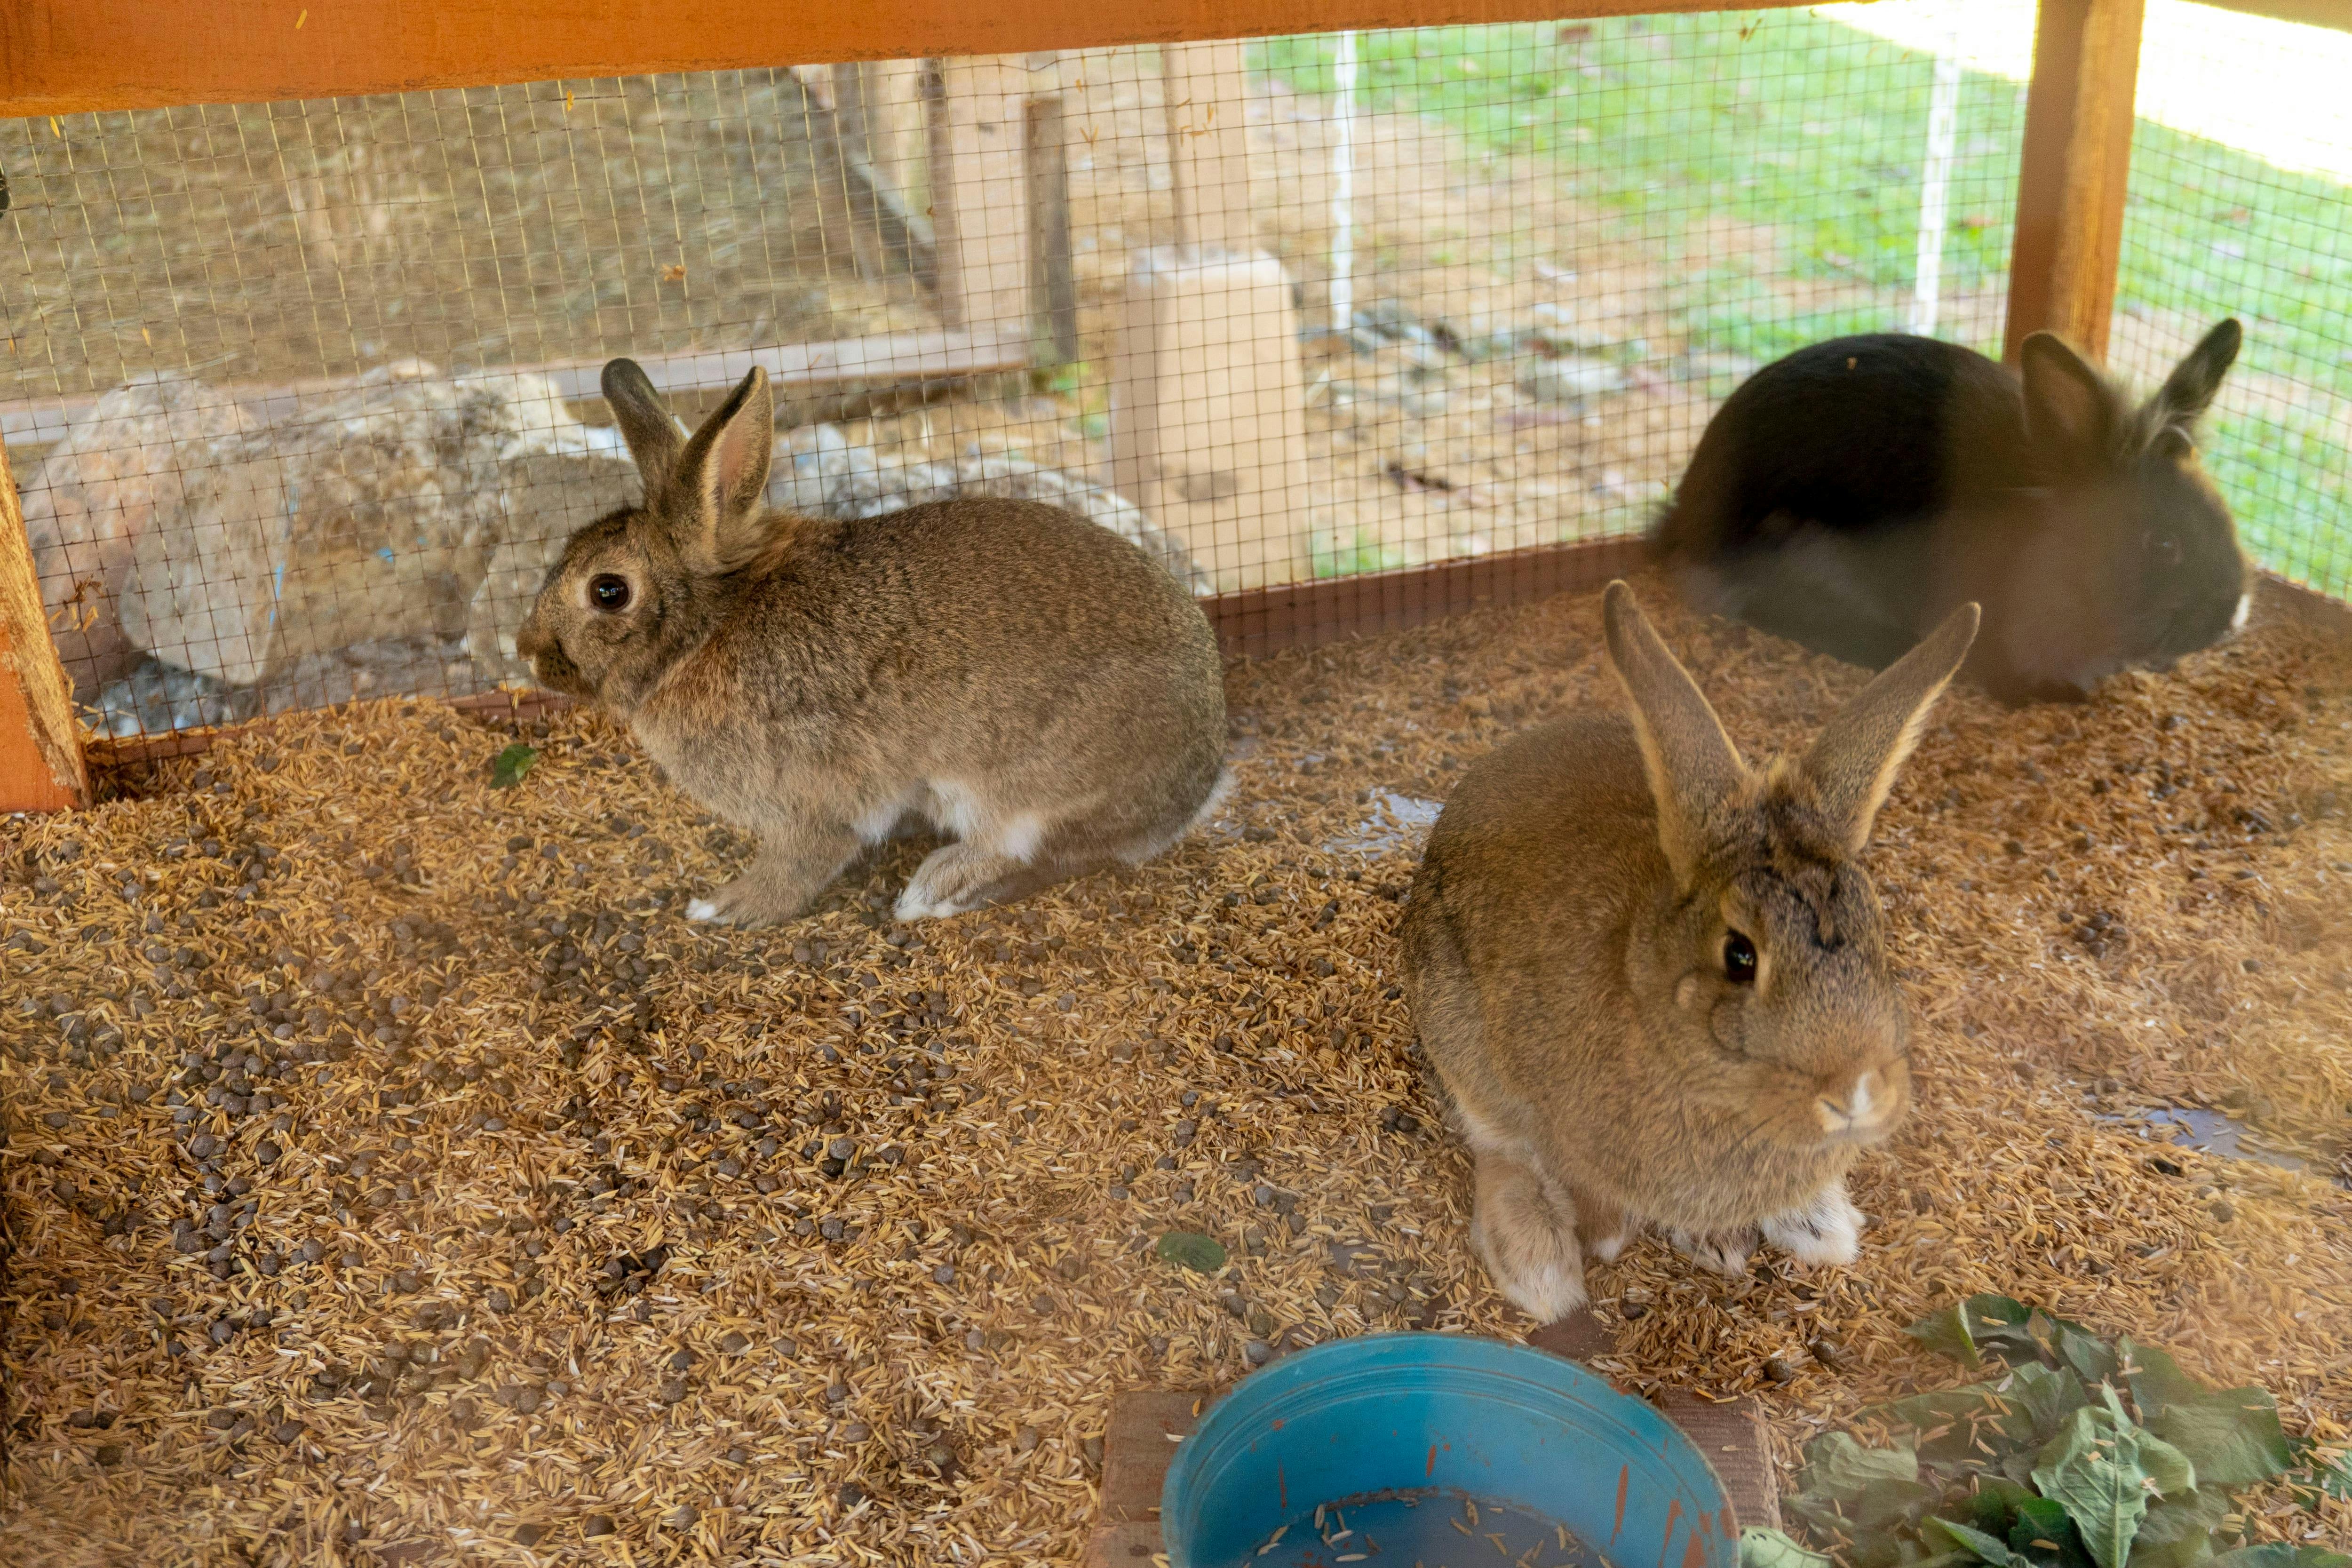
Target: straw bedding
549 1228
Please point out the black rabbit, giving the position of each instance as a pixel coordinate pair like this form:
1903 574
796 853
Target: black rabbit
1849 496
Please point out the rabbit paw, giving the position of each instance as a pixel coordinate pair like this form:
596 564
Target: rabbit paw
792 867
748 900
1725 1251
1826 1230
959 877
1524 1230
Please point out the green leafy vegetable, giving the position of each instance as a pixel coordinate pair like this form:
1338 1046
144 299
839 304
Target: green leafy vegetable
1201 1254
2230 1434
2042 1526
1839 1468
2078 1453
2103 1468
2011 1331
2321 1472
1977 1543
510 766
1761 1548
2178 1530
2279 1554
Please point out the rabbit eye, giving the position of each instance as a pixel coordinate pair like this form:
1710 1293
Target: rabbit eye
1739 959
609 592
2165 548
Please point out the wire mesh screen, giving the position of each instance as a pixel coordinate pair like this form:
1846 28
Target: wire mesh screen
2238 208
303 397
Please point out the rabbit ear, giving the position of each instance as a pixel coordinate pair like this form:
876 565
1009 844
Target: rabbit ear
649 428
719 497
1853 763
1693 769
2188 390
2070 411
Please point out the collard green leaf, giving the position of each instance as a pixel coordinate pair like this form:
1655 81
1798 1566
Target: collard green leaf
1893 1505
2104 1469
1966 1328
2009 1330
2089 1357
2042 1526
1202 1253
2049 1395
2156 1379
2279 1554
1839 1468
2230 1434
1984 1548
508 769
2179 1530
2319 1472
1761 1548
1993 1507
1962 1428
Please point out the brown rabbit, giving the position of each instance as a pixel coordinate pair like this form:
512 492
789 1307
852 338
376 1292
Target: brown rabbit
1654 980
1033 686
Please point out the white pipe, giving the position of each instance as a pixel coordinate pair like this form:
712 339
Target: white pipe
1935 187
1343 191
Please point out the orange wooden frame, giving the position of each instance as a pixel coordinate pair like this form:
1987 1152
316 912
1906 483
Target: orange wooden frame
67 57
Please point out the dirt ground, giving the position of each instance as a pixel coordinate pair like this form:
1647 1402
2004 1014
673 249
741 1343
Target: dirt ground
510 1219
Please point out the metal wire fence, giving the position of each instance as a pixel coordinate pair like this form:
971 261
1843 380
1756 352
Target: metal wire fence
301 397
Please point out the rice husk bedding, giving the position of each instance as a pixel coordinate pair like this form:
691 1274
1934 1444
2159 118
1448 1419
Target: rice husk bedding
624 1240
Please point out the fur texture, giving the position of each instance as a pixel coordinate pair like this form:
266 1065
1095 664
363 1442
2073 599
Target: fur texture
1850 495
1612 1060
1032 685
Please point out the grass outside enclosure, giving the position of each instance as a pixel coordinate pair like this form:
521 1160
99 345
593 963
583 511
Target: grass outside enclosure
1773 162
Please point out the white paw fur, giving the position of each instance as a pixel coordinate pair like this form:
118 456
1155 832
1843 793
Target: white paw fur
702 910
914 904
1523 1228
1826 1230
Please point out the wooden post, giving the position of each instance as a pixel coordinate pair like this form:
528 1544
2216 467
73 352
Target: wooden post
825 123
2070 196
1055 279
40 743
1208 412
1207 101
980 205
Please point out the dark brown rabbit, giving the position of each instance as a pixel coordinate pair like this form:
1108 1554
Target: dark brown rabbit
1031 685
1848 496
1654 980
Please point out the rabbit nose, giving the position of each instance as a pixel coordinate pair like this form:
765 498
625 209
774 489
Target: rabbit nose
1860 1105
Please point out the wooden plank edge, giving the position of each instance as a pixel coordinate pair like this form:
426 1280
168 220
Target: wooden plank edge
1254 621
41 762
795 369
74 56
1260 621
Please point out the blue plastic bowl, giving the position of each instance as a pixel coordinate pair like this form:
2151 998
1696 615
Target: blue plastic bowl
1494 1421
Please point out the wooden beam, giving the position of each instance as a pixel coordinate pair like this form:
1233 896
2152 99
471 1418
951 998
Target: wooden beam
978 121
1207 103
2077 159
1262 621
40 743
1054 276
2335 14
71 57
796 368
